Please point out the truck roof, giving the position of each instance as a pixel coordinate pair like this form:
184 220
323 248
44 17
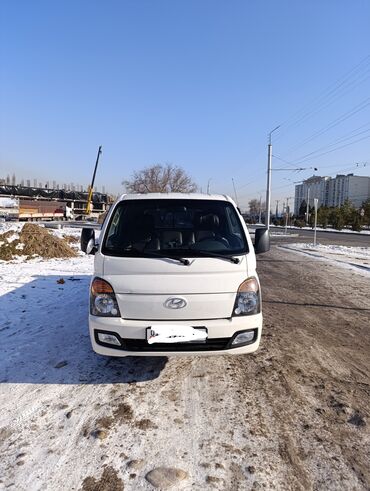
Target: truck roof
215 197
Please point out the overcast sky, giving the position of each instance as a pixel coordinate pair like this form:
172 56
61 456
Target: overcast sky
195 83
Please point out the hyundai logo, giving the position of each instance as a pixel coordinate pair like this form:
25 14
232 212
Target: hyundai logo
175 303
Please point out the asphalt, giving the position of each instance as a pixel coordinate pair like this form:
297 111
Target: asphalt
278 236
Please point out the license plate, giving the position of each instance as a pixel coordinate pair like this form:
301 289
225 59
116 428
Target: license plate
176 334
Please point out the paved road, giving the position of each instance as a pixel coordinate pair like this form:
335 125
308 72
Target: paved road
334 238
327 238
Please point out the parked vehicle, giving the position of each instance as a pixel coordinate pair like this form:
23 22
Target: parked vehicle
43 210
174 274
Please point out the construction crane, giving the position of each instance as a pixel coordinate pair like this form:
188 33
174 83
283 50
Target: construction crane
91 187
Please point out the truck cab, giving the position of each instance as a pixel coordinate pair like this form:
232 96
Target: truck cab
174 274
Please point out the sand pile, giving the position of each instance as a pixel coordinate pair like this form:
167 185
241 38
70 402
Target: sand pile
33 241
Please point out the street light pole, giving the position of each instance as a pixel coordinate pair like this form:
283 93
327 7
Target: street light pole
314 236
287 213
236 196
308 206
268 187
260 216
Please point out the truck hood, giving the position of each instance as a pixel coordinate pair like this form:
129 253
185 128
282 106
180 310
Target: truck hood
144 286
170 277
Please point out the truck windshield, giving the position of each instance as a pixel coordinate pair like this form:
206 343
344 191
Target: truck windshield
174 227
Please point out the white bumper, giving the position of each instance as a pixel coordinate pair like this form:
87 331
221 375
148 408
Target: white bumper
134 331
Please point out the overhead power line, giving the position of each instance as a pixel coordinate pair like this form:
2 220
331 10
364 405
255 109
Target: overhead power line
343 117
335 142
331 94
310 156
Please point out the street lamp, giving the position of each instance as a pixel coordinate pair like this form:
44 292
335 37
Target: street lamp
268 187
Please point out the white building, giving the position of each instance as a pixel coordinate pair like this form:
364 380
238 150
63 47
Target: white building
313 187
332 191
354 188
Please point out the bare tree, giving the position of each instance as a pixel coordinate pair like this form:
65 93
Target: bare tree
254 206
160 179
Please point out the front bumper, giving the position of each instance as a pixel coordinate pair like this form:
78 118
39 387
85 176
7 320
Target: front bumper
132 333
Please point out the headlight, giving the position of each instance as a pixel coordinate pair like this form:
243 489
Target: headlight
247 300
103 301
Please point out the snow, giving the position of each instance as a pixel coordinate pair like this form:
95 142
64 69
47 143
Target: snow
7 226
57 395
8 203
355 258
66 411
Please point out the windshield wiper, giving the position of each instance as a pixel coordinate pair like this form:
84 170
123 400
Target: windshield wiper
186 262
233 259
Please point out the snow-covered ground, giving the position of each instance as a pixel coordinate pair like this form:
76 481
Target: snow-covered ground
71 419
355 258
67 413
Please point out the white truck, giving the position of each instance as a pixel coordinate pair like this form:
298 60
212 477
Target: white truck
174 274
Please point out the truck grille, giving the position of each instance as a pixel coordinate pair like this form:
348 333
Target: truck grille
213 344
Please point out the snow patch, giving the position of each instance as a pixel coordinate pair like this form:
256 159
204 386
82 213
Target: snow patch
355 258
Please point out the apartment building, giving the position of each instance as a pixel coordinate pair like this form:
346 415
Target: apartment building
354 188
332 191
313 187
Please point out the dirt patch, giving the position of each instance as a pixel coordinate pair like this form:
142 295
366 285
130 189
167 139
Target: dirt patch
308 382
5 433
33 241
41 242
8 246
109 481
121 414
145 424
70 239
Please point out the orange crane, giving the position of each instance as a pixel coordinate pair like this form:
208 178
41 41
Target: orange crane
91 186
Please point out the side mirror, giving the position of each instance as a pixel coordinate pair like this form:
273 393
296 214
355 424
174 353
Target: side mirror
261 240
88 241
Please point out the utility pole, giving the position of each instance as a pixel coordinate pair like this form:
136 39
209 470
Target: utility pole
260 217
268 187
314 236
287 201
236 196
308 206
209 180
287 214
277 208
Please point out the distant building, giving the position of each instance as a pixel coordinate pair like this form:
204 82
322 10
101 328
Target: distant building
313 187
354 188
332 191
